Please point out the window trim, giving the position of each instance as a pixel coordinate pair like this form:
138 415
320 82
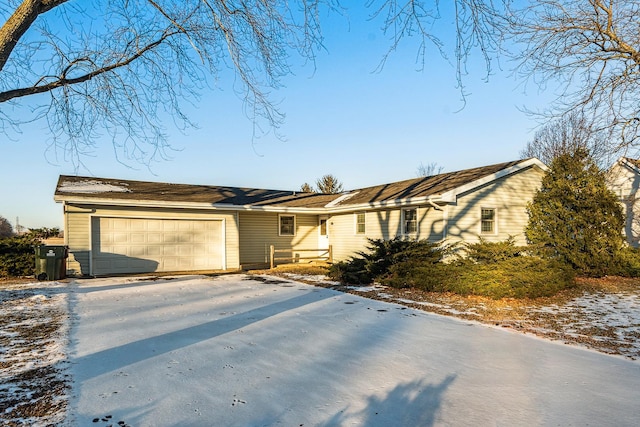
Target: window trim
280 233
357 223
494 221
404 222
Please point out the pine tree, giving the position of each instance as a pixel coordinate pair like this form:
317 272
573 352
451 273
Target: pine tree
329 184
6 230
575 218
307 188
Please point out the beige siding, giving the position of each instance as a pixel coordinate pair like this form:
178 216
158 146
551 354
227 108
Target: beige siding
78 230
260 230
625 183
509 196
380 224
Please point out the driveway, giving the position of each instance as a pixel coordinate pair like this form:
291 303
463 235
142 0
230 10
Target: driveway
241 350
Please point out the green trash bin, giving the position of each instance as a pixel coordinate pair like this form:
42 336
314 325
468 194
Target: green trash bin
50 262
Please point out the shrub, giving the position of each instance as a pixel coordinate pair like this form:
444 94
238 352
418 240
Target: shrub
381 255
627 262
17 256
516 277
488 252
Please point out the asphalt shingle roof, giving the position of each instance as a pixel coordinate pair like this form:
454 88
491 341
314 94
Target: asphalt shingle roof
115 189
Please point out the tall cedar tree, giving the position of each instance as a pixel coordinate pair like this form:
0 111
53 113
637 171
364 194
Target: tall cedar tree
575 218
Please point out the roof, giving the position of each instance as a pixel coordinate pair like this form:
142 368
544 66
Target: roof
430 186
87 188
633 162
441 187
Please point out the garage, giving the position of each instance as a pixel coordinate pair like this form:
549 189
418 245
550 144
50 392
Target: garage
145 245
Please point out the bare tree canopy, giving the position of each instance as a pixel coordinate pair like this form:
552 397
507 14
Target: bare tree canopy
429 169
566 136
120 67
590 49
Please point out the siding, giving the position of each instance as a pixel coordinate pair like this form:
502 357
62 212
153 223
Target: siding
625 183
380 224
508 195
78 230
260 230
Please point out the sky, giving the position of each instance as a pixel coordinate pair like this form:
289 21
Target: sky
343 117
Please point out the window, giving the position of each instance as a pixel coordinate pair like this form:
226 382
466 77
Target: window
361 223
287 225
410 221
487 221
323 227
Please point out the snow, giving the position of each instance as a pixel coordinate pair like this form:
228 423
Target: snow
92 187
241 350
30 357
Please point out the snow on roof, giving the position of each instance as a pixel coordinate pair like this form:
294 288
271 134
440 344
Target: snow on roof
92 187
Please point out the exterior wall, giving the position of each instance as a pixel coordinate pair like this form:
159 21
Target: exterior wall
508 195
383 224
625 183
260 230
78 230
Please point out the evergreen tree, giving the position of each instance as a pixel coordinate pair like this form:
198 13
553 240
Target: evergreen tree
575 218
6 230
307 188
329 184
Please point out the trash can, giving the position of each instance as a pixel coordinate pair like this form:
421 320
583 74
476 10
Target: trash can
50 262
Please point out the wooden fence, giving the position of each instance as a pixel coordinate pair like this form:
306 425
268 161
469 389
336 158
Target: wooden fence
294 255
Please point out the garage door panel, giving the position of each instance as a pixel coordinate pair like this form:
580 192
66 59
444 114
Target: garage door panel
135 245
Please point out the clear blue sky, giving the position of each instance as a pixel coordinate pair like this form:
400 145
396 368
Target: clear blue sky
366 128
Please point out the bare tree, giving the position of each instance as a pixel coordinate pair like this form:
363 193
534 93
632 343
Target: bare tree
590 48
565 136
429 170
6 230
121 67
329 184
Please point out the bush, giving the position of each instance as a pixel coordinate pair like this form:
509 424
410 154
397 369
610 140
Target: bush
17 256
493 269
485 252
628 262
381 255
515 277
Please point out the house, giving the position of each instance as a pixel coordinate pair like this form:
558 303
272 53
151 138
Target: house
119 227
623 178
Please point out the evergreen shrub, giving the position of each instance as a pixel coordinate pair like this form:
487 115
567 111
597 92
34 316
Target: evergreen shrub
493 269
381 255
17 256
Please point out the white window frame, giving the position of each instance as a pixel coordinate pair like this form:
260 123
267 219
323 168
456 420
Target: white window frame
280 233
494 221
364 222
404 222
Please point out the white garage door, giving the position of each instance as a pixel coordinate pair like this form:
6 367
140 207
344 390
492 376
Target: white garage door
135 245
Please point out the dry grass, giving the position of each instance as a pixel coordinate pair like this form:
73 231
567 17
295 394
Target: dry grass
33 383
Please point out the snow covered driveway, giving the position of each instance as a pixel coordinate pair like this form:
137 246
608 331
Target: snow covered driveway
248 351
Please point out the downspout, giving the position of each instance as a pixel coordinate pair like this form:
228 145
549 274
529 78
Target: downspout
434 205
